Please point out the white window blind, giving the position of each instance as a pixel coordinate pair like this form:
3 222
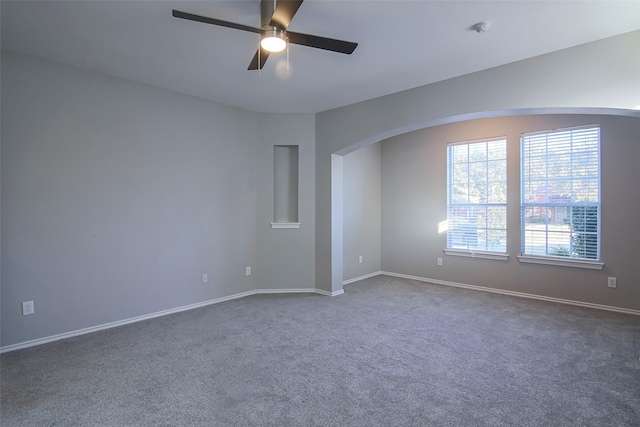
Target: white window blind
477 195
561 193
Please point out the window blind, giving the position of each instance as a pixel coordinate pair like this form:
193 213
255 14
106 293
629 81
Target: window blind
561 193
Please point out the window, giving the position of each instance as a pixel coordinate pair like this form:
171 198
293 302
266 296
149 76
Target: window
561 193
477 196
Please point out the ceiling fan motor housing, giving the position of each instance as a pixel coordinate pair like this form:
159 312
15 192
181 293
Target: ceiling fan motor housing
267 8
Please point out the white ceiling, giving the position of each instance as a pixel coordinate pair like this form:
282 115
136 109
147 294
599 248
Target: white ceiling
402 44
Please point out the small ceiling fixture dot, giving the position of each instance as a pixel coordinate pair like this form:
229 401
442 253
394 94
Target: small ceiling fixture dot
481 27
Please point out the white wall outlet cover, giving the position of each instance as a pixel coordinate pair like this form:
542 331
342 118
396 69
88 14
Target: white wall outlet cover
205 278
247 271
28 308
612 282
360 259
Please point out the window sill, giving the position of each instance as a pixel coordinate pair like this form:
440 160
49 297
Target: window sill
563 262
477 254
285 225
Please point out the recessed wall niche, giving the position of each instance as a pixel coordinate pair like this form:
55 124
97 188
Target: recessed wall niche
285 186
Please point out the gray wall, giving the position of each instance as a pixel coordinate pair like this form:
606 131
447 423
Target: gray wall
361 193
116 197
414 201
286 256
600 75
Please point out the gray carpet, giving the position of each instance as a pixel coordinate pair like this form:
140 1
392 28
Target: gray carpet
389 352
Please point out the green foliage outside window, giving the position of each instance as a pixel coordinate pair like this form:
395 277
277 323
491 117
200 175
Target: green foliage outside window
584 221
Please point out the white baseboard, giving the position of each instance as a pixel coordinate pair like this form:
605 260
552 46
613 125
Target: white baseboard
516 294
330 294
285 291
357 279
65 335
299 290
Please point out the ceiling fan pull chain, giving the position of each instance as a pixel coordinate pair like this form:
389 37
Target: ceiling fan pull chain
259 67
287 56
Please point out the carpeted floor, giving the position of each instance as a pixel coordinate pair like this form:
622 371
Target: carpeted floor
389 352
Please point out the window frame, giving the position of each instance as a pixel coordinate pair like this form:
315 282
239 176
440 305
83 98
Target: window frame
571 261
473 252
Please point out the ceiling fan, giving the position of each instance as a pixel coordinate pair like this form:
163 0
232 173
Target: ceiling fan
276 16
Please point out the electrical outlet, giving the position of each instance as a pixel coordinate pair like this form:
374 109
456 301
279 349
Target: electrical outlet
247 271
439 261
360 259
205 278
28 308
612 282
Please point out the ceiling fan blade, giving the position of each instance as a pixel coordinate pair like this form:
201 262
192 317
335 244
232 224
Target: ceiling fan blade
264 54
318 42
212 21
284 12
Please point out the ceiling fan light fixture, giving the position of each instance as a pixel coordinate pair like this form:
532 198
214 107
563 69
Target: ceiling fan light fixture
274 40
